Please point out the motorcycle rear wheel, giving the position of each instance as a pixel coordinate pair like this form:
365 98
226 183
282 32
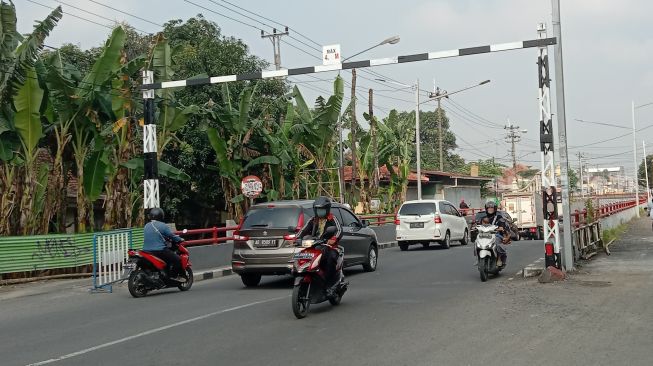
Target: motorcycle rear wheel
483 267
136 288
189 282
301 301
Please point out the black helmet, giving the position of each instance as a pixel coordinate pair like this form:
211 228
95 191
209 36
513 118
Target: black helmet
157 214
322 207
491 204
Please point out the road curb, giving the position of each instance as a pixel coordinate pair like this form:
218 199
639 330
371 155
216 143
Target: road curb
212 273
209 274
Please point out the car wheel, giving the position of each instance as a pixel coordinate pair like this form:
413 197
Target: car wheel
426 244
403 246
250 279
465 240
372 259
446 243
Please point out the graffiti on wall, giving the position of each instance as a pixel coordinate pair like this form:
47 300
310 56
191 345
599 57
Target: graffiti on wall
58 248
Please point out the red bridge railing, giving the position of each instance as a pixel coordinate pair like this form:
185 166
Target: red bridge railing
215 238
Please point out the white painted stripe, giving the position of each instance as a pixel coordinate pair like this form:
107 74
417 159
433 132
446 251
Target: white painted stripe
152 331
173 84
443 54
383 61
274 73
223 79
322 68
506 46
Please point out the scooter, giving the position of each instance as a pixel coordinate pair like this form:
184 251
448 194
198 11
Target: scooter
486 250
310 285
147 272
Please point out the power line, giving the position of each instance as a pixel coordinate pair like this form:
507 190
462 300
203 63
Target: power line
611 139
95 14
223 15
476 116
602 124
72 15
126 13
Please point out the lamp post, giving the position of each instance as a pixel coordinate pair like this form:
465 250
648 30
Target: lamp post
390 40
633 108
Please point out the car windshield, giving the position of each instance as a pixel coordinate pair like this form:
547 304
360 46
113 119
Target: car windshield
271 217
417 209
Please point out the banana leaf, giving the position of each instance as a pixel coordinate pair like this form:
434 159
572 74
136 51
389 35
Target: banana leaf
27 120
94 172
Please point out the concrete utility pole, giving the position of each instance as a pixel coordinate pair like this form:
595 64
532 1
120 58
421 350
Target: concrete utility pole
580 167
353 128
513 137
375 147
418 146
567 252
648 190
635 155
275 38
437 93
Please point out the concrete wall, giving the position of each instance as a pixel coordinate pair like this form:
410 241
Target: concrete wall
472 196
620 218
215 256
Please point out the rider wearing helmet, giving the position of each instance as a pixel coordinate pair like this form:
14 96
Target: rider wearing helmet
316 227
495 218
157 237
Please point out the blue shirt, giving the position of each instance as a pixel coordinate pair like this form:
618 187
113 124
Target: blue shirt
154 241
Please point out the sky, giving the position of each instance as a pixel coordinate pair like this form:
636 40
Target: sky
607 46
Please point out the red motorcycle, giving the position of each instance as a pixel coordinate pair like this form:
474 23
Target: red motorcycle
310 282
147 272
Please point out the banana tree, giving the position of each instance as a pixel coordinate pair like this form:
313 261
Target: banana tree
316 131
89 120
237 145
21 107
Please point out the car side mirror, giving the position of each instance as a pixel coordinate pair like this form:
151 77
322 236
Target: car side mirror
365 223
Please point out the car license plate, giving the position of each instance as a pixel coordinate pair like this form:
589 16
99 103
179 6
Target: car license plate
265 243
416 225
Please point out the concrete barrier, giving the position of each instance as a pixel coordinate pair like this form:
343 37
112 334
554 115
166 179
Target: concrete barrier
620 218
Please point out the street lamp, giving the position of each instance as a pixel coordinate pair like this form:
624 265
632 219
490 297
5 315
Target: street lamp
389 40
633 107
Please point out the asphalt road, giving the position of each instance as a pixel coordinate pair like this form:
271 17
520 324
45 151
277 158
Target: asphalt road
419 307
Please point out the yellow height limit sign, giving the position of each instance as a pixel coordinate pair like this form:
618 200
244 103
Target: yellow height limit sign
331 55
251 186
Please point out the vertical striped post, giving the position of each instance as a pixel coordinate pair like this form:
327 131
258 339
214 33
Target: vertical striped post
151 173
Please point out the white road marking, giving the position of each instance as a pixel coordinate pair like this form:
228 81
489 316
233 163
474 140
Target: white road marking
152 331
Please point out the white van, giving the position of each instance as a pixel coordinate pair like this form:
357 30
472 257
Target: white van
425 221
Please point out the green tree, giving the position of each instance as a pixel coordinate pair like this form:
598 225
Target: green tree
642 175
573 179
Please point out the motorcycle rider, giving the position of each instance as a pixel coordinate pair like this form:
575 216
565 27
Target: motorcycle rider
495 218
316 227
156 237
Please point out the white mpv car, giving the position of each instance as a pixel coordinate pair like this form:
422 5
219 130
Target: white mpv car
425 221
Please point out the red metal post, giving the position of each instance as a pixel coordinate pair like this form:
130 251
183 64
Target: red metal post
215 235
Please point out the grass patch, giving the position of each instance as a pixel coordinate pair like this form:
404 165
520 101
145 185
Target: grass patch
614 233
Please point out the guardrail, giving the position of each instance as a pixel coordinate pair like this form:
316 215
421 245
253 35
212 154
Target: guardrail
586 236
214 239
579 217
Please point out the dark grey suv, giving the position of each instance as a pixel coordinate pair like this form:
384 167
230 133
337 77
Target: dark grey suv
265 242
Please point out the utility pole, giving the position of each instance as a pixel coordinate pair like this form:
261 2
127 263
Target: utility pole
418 146
635 158
373 130
648 190
353 128
275 38
580 167
513 137
438 94
567 252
